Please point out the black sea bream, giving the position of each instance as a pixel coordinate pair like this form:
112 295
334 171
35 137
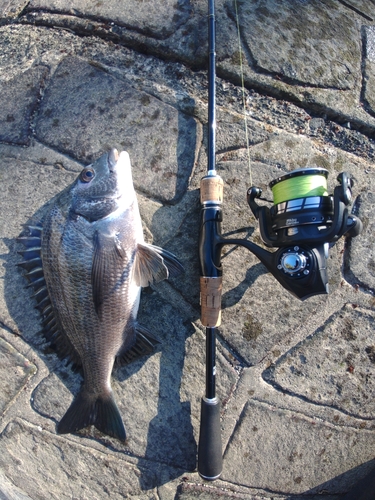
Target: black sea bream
87 263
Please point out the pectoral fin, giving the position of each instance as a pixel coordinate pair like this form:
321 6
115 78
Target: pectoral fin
153 264
107 265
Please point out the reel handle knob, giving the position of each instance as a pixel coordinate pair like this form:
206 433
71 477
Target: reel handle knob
346 186
252 193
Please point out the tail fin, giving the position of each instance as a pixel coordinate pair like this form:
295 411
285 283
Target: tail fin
101 411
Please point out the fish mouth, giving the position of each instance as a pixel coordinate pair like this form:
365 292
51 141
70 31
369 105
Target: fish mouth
113 157
112 197
115 193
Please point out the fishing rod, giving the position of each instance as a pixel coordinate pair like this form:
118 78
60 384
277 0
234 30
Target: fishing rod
302 224
211 195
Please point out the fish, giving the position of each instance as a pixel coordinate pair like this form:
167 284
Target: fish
87 262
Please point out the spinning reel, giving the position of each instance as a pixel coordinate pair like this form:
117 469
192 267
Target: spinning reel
303 223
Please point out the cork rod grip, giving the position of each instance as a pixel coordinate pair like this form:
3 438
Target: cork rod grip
211 290
211 189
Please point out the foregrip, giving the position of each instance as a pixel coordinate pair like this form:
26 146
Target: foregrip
211 190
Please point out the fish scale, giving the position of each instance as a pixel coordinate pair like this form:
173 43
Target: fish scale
86 321
87 263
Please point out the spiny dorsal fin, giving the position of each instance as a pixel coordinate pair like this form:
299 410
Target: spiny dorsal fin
52 330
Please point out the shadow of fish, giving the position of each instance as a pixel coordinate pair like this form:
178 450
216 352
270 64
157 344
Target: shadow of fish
87 263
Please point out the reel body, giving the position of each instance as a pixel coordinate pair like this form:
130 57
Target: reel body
302 225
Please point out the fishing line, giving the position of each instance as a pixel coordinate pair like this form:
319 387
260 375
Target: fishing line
300 184
243 94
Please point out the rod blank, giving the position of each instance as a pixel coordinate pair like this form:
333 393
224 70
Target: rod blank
210 459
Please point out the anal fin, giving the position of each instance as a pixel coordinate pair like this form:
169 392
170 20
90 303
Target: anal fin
145 344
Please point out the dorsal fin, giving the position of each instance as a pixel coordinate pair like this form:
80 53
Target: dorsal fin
51 328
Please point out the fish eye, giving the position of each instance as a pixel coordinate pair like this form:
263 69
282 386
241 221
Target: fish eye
87 174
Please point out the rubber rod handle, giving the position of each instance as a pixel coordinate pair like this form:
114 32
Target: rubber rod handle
210 452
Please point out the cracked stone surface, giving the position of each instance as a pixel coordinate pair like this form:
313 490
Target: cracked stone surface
296 442
362 269
304 38
25 91
335 366
15 371
146 17
105 106
295 379
53 453
11 9
369 69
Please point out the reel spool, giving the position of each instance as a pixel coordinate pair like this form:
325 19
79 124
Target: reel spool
301 183
303 211
301 199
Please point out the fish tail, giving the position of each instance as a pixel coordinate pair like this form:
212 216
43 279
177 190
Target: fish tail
100 411
108 419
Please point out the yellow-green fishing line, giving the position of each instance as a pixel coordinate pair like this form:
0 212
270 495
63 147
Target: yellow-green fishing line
299 187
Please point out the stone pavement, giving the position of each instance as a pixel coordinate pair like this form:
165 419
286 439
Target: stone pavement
296 379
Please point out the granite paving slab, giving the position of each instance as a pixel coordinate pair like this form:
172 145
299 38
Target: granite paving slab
11 9
340 372
105 107
369 69
291 443
9 491
305 38
294 379
52 453
147 17
178 30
